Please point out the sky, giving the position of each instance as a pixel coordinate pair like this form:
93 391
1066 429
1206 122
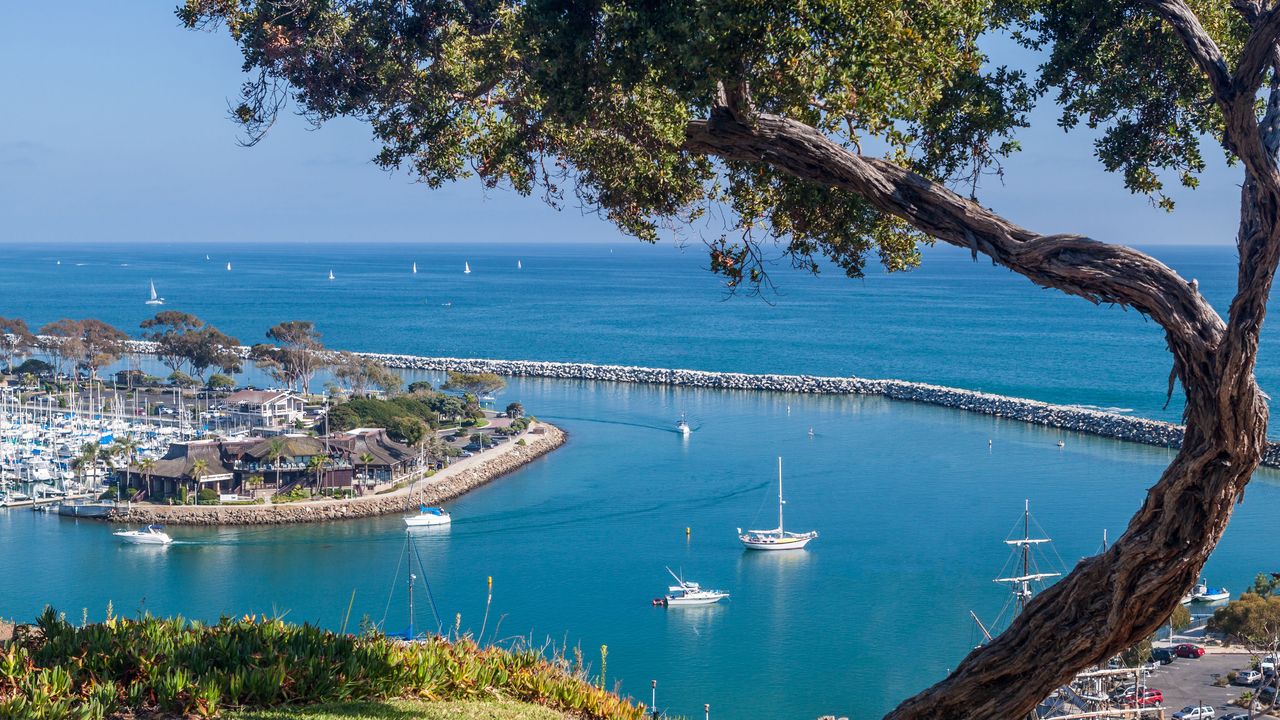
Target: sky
114 128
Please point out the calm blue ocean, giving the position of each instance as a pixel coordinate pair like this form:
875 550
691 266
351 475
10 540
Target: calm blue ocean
911 503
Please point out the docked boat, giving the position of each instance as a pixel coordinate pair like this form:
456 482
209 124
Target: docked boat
149 535
1205 594
778 538
155 299
428 516
688 594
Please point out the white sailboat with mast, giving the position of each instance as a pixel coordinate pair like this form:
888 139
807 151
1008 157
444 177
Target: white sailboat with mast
155 299
778 538
466 268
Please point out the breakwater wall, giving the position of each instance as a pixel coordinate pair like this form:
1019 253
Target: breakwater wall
1065 417
449 483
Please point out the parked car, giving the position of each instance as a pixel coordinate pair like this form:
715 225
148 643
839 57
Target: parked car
1149 696
1195 712
1187 650
1248 677
1164 656
1237 715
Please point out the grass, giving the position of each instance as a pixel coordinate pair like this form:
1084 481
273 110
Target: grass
406 710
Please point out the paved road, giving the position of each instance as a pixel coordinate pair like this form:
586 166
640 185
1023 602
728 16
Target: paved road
1190 682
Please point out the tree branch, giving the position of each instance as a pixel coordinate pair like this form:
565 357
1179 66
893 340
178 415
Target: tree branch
1202 49
1258 51
1076 265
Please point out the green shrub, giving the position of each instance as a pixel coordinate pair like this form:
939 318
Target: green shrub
167 667
521 442
208 496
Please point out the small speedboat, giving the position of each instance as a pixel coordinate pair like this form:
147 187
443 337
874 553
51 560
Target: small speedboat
428 516
682 426
149 535
688 594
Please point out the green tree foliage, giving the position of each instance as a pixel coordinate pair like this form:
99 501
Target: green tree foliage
16 340
296 358
372 412
218 381
421 386
358 374
477 384
1180 619
408 430
515 410
182 380
1252 621
1265 584
169 330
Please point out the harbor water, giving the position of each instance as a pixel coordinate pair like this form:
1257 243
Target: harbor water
912 502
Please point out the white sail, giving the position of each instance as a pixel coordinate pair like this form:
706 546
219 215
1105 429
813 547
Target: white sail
330 274
415 268
519 265
466 268
153 290
154 299
228 267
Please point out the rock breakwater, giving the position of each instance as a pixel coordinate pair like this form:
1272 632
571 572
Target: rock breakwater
1065 417
445 485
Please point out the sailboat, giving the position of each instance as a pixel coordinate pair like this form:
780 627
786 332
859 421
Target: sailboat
228 267
466 268
155 299
206 257
519 265
330 274
778 538
415 268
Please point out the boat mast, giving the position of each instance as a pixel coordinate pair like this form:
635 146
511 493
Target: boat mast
780 500
1022 583
412 577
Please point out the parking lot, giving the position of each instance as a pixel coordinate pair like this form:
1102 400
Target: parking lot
1190 682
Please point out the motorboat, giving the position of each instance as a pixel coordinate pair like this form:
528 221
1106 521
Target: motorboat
682 426
688 594
778 538
149 535
428 516
1206 594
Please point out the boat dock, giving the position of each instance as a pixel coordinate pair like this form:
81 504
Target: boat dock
46 500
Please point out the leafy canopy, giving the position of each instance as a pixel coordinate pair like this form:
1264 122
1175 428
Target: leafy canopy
589 100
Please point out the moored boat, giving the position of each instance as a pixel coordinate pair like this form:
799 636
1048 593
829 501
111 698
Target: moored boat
149 535
688 594
777 538
1206 594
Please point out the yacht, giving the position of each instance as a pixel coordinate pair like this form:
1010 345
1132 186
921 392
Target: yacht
428 516
155 299
687 594
149 535
778 538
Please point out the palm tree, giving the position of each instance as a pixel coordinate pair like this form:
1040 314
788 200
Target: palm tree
275 451
88 457
126 447
365 459
199 469
316 465
146 465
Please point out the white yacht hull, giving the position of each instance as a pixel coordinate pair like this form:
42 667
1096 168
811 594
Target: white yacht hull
788 544
136 538
693 602
427 520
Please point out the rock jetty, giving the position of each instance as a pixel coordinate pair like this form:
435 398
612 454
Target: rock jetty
1065 417
447 484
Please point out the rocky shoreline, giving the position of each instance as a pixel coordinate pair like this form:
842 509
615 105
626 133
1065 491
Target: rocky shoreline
1065 417
445 485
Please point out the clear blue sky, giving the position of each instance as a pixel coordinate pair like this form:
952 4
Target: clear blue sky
114 128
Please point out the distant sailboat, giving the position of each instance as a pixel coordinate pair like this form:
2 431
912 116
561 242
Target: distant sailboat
59 262
155 299
415 268
330 274
466 268
206 257
519 265
228 267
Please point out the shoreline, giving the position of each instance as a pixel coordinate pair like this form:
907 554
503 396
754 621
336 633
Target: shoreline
1156 433
450 483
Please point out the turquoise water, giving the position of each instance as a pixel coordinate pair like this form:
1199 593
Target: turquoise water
911 503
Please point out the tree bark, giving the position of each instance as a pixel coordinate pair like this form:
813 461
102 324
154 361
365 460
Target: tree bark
1112 601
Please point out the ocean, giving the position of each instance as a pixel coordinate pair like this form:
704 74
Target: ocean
912 502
